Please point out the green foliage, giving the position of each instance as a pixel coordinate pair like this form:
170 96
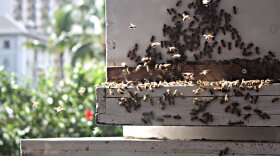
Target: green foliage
32 113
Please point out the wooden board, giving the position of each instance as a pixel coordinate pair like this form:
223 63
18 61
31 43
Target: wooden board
110 112
222 71
130 147
149 16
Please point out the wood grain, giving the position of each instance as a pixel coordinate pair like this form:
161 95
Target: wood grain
218 71
133 147
116 114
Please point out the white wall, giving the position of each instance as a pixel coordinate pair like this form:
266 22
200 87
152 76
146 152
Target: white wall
6 7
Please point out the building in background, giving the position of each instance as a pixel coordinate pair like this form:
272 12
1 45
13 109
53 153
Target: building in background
34 14
22 21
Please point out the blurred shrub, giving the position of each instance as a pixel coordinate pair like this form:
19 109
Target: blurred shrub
53 109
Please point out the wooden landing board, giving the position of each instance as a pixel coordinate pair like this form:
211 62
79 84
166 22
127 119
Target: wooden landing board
228 71
110 112
257 22
128 147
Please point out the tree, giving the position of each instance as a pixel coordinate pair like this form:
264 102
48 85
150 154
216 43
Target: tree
78 30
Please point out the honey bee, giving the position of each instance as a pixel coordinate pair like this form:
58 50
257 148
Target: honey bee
257 49
219 50
138 68
176 56
234 10
247 108
111 92
172 49
155 44
247 116
152 39
208 37
177 117
132 26
179 2
204 72
274 100
145 97
169 11
271 54
186 17
224 152
120 91
223 43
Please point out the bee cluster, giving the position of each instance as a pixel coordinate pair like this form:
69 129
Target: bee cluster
194 32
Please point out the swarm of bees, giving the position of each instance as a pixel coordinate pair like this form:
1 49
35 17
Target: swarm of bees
201 19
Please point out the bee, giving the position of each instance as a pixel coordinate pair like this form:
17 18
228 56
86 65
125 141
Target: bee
59 109
247 108
172 49
219 50
175 93
204 72
167 116
211 91
257 49
144 120
198 91
120 91
169 11
224 152
274 100
237 123
208 37
196 18
237 43
223 43
176 56
155 44
174 11
242 45
174 18
227 108
152 39
247 96
250 45
196 57
271 54
191 24
177 117
132 26
247 116
225 99
214 45
145 97
232 36
186 17
234 10
179 2
111 92
191 5
194 118
222 12
229 45
237 93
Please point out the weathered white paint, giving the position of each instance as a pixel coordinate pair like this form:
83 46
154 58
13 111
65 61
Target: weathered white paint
257 21
132 147
112 113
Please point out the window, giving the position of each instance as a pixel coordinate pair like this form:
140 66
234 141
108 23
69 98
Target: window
6 44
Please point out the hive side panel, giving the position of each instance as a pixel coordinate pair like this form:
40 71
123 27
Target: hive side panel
149 16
